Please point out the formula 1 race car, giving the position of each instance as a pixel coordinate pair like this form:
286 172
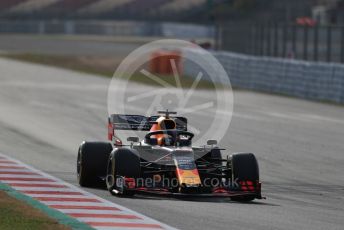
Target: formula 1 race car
165 162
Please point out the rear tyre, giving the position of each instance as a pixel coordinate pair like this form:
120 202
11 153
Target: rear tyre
210 180
216 156
123 163
92 162
244 168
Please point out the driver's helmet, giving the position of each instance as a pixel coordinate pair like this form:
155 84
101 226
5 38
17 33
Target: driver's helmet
163 123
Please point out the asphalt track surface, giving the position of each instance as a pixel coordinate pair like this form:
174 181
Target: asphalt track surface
46 112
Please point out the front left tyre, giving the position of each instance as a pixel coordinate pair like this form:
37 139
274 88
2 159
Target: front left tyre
245 168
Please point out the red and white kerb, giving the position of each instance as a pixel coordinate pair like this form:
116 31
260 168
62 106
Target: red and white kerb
71 200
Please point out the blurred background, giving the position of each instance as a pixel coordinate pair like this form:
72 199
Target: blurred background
95 35
306 29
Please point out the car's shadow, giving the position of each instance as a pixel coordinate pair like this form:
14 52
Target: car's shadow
146 196
202 199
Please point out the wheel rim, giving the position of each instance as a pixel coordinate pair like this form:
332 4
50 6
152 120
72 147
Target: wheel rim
110 182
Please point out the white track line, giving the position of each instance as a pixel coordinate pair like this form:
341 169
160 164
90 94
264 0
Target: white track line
69 199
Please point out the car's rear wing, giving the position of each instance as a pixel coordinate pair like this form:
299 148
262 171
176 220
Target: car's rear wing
139 122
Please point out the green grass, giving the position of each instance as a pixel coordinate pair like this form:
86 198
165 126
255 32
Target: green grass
82 64
103 66
15 214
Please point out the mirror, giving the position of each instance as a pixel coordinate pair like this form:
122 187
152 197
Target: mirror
211 142
133 139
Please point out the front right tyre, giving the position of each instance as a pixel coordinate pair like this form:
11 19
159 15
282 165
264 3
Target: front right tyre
92 162
122 164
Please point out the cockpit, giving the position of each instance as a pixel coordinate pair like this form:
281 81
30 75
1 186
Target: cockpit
164 133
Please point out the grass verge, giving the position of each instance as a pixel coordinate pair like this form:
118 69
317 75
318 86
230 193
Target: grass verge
18 211
94 65
15 214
